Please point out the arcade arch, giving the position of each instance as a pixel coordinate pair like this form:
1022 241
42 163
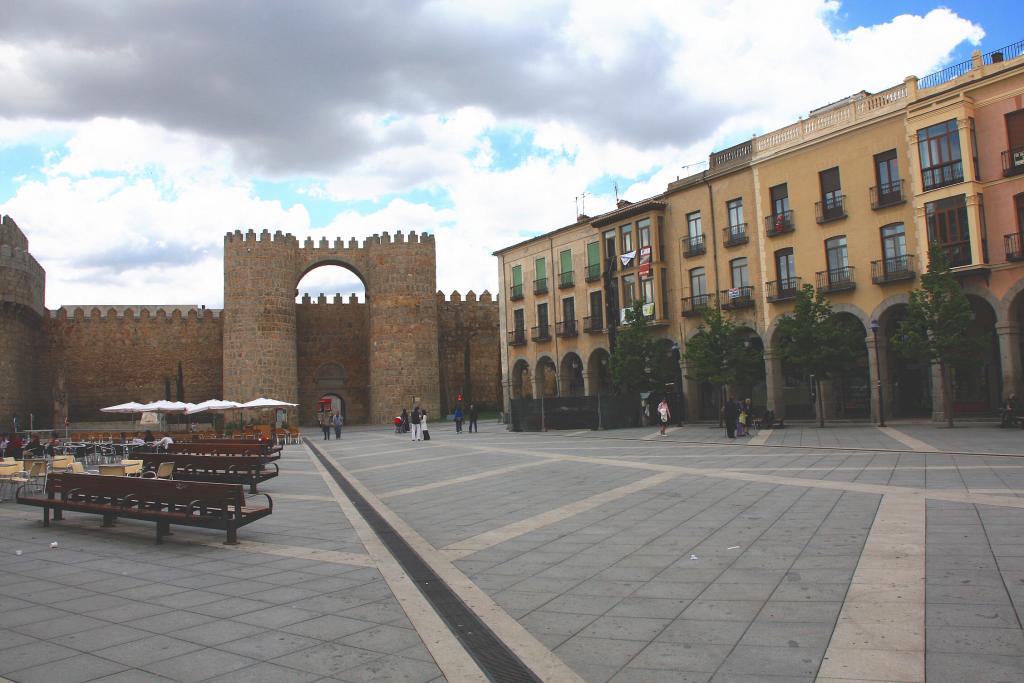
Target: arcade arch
571 381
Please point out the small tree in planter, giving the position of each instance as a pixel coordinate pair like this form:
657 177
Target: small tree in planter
717 354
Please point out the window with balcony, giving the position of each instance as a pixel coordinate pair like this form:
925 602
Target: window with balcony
699 298
628 291
694 244
647 290
517 283
593 261
609 248
839 275
517 335
1013 156
831 207
736 231
786 282
567 328
948 228
1012 243
896 263
939 149
565 278
740 272
540 270
643 232
541 332
627 238
781 218
595 321
888 190
740 294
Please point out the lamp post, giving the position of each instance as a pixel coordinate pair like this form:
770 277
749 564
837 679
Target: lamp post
878 372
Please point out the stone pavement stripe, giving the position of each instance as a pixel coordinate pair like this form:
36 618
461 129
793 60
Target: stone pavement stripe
417 461
183 536
448 653
376 454
906 439
893 467
459 480
461 549
301 496
657 435
880 633
761 438
530 651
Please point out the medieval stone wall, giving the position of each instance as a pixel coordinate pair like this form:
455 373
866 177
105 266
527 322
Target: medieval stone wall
469 351
130 354
333 343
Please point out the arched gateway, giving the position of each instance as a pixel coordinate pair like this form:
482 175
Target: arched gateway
264 336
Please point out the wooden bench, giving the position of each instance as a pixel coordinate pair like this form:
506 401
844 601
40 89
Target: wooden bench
228 469
164 501
214 448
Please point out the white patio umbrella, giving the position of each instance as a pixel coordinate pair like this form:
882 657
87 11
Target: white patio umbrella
164 406
130 408
214 405
264 402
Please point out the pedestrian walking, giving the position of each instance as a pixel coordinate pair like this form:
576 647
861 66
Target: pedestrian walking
457 416
664 415
730 414
405 420
473 415
415 430
423 425
325 424
337 421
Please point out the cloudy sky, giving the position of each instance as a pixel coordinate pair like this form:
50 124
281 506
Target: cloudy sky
135 133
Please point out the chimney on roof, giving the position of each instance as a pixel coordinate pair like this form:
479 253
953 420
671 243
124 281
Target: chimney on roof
582 217
621 203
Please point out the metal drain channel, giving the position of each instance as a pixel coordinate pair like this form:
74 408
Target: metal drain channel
496 660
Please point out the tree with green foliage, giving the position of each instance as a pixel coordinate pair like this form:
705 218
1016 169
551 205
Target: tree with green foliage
718 353
937 325
636 363
818 341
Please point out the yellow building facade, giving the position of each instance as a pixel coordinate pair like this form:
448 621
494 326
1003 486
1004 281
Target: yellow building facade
847 200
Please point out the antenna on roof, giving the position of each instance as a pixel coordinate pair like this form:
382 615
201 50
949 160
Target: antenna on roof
616 186
581 204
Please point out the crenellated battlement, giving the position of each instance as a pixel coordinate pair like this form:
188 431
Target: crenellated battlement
377 239
140 313
322 299
471 297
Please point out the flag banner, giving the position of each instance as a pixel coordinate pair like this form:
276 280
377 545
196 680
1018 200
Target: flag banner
627 258
645 261
734 293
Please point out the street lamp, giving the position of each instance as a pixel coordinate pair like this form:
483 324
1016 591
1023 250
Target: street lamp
878 372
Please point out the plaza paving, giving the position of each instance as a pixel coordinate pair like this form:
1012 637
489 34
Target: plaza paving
844 553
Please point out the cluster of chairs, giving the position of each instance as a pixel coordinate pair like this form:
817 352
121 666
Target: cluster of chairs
34 471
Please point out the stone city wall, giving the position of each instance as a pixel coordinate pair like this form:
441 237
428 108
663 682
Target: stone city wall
469 351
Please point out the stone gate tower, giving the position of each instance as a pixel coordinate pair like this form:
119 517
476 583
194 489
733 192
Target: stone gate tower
22 287
260 278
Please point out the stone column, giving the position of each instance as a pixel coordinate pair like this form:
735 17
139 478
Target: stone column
1009 358
774 383
691 392
878 370
938 411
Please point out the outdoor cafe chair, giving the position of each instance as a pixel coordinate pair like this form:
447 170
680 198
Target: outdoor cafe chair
113 470
164 470
10 473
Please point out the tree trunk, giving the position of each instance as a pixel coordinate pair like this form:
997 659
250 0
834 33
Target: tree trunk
821 404
721 407
947 393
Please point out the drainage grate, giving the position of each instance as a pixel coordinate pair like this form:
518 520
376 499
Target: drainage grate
498 662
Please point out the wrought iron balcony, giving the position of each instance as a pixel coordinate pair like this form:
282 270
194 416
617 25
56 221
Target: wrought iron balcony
940 176
566 328
516 337
830 210
893 269
782 290
541 333
566 280
957 253
887 194
540 285
1013 161
517 293
593 272
779 223
1013 246
735 235
694 246
593 323
696 305
737 297
836 279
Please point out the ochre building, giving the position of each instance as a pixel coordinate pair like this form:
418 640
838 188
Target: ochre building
405 343
847 200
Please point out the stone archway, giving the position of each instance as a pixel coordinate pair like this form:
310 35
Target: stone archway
571 375
907 382
545 378
599 376
521 385
977 386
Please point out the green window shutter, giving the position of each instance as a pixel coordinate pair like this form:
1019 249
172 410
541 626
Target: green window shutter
565 259
517 276
593 253
541 269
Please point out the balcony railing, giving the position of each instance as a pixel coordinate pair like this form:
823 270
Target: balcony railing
957 253
566 280
566 328
782 290
593 273
893 269
940 176
516 337
1013 246
540 285
737 297
735 235
541 333
779 223
696 305
830 209
836 279
593 323
517 293
1013 161
694 246
887 194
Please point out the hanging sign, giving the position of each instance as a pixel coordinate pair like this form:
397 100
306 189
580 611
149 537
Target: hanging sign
645 262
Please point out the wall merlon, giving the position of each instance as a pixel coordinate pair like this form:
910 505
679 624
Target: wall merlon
265 235
385 237
324 244
178 313
471 295
353 243
250 235
399 237
308 243
413 239
456 297
485 297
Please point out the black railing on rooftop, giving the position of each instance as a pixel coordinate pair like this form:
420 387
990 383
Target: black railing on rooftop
1003 54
